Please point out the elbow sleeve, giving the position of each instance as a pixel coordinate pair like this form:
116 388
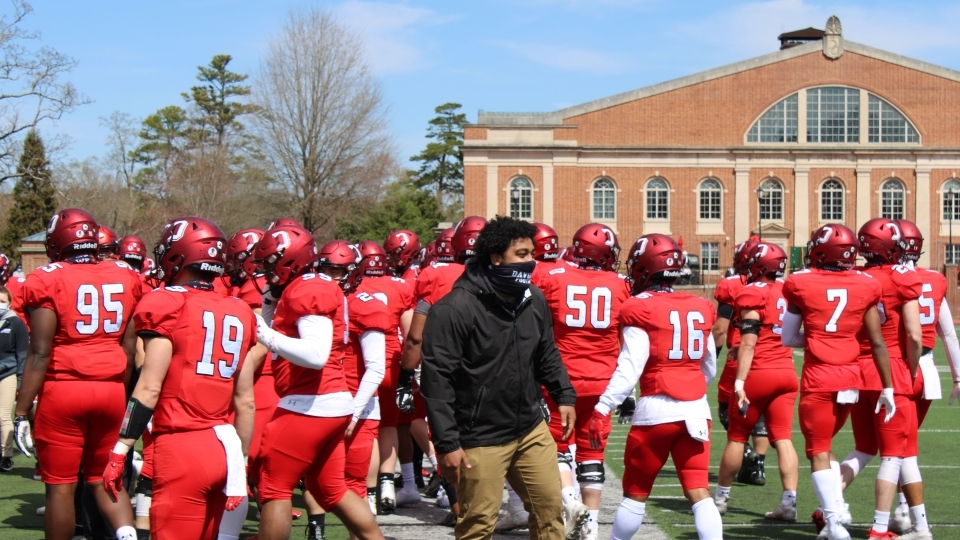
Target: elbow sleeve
312 349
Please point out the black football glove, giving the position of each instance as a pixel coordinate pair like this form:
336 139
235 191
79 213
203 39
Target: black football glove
627 408
405 390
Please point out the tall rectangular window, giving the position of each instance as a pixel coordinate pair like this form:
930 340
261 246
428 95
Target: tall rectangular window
658 199
711 193
831 201
604 199
710 257
833 115
952 254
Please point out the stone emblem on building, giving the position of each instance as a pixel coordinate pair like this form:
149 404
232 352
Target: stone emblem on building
833 38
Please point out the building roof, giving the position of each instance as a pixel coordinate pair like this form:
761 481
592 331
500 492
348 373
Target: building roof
806 33
35 237
556 118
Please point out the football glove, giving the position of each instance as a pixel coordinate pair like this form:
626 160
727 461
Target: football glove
265 334
595 430
24 437
886 402
955 393
113 474
405 391
234 502
627 408
544 410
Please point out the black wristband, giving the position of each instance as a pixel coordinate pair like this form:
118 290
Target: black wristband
406 377
135 420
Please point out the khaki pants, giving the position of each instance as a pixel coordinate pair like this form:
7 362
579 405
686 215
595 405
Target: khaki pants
8 401
530 464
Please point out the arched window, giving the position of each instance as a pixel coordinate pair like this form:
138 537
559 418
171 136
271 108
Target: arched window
950 195
604 199
778 124
771 200
891 199
711 199
887 125
831 200
521 198
658 199
833 115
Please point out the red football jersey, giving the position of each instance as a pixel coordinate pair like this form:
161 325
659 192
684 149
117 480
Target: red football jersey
93 303
221 286
543 269
726 293
366 313
398 295
250 294
678 325
768 301
436 280
410 274
145 284
832 305
586 323
934 287
311 294
900 285
211 335
15 286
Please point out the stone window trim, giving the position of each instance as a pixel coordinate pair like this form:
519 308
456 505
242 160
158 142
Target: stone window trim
712 197
774 191
609 188
524 207
659 188
892 198
950 184
830 194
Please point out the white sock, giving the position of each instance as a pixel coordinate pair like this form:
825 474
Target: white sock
409 482
880 521
835 467
569 494
919 515
707 519
512 495
594 516
126 533
825 486
721 493
628 519
433 461
902 508
789 498
232 522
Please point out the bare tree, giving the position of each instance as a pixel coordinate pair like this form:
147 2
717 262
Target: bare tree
31 85
322 126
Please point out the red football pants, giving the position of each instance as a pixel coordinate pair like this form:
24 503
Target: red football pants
359 451
76 426
772 393
190 472
871 435
821 418
266 398
648 448
297 446
580 435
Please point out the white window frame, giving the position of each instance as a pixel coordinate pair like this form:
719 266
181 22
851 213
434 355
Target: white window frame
614 189
646 199
703 258
700 192
782 191
843 200
955 202
903 191
528 190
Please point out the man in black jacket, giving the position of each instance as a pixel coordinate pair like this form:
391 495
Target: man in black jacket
487 350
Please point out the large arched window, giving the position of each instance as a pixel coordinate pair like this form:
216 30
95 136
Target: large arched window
833 115
521 198
771 200
887 125
711 199
831 200
604 200
778 124
658 199
950 195
892 194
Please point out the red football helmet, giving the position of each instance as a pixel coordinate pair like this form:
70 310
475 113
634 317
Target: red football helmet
546 243
132 250
880 241
465 237
71 232
401 248
374 258
240 265
283 222
109 245
832 245
342 254
765 259
911 240
6 268
654 255
428 254
284 253
742 254
190 242
443 247
566 254
597 245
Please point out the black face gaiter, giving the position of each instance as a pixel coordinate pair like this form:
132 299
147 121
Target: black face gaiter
511 279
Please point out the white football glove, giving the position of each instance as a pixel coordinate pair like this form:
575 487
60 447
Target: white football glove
886 402
265 334
955 393
23 437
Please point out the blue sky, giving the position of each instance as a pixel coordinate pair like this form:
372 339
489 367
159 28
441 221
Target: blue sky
496 55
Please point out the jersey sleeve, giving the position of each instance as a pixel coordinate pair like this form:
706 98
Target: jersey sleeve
250 295
634 313
722 293
407 293
157 313
39 291
424 284
317 298
792 293
909 285
371 314
751 298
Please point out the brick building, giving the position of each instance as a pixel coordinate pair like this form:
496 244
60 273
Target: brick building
822 130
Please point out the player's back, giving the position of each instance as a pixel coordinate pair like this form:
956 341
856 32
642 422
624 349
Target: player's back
93 303
768 301
934 288
311 294
586 322
398 295
436 281
726 293
366 313
678 327
211 335
411 273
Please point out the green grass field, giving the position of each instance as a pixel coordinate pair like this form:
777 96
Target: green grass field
20 495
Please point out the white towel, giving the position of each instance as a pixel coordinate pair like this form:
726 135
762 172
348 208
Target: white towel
848 396
236 469
931 379
697 428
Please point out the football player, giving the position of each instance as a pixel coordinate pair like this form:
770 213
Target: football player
194 375
668 348
133 251
81 354
108 243
305 437
546 245
766 380
833 301
585 303
403 250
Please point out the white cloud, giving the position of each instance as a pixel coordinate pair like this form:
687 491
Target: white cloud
565 58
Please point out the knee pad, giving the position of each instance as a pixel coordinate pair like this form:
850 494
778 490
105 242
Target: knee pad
910 471
565 460
856 461
145 486
760 429
890 469
590 472
723 414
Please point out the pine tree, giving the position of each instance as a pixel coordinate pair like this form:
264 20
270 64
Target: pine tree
34 197
441 167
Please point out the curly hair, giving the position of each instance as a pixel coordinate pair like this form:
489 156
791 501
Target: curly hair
497 235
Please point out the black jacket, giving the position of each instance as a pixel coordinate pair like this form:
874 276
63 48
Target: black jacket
484 362
13 345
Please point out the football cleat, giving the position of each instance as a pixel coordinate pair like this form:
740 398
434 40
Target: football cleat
433 485
36 471
442 500
915 535
591 531
388 496
783 513
874 535
721 503
900 523
513 517
575 515
6 464
819 521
